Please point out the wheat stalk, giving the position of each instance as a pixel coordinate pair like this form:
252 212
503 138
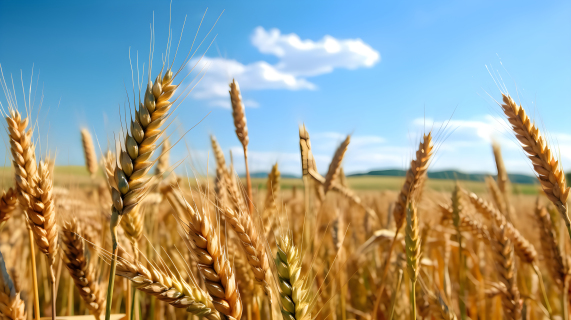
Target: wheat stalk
12 307
457 208
548 169
89 151
239 115
213 264
80 270
335 164
8 204
294 294
506 270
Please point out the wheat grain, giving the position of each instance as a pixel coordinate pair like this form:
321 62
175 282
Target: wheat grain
81 271
89 151
503 180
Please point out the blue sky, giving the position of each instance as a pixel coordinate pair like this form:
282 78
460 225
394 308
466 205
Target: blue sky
378 70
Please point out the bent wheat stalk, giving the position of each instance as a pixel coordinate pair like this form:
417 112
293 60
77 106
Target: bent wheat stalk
549 172
165 286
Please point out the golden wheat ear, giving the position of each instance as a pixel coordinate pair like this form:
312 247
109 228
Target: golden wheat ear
547 168
89 151
157 280
204 242
80 269
11 305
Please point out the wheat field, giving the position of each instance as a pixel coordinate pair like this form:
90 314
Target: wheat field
124 237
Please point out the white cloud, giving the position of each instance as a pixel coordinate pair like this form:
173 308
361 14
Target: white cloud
297 60
310 58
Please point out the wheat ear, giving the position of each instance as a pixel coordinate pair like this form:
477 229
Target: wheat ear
80 270
414 179
24 161
228 177
12 307
161 283
414 175
252 244
524 249
506 270
294 294
497 195
8 204
129 183
163 162
335 164
503 179
550 248
273 187
89 151
239 115
208 251
412 242
548 169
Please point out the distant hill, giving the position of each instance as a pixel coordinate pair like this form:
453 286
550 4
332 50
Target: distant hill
265 175
449 174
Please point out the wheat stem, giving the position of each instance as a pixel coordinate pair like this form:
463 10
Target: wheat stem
394 295
34 276
115 219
